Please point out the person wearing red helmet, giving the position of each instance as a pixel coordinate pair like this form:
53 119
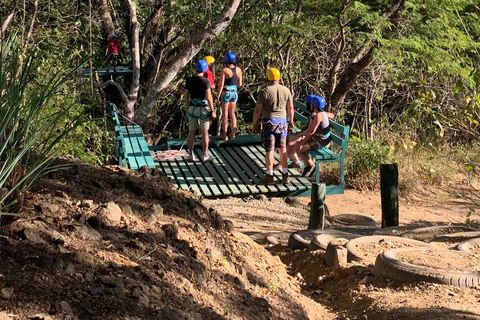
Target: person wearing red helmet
200 108
231 78
317 135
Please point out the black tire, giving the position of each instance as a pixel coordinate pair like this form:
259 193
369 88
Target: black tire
332 248
353 220
389 266
353 246
428 233
396 231
469 245
360 230
321 241
458 238
296 241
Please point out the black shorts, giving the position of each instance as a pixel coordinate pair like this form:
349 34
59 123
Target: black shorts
113 57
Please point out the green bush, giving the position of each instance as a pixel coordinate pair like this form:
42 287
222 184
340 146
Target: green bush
363 161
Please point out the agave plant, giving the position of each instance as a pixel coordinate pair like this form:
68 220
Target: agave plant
29 126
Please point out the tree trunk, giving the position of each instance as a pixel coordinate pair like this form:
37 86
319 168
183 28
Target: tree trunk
106 17
135 53
190 48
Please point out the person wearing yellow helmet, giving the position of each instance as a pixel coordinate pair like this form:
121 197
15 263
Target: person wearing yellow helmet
230 80
273 104
209 73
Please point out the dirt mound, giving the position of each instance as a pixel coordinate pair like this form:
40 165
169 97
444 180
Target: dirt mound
110 243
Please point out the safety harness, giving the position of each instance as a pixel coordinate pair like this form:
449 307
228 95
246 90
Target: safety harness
198 103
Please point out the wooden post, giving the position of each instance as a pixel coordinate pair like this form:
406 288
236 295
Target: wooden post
317 209
389 194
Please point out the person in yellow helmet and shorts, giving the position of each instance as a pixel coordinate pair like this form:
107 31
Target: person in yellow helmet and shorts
273 104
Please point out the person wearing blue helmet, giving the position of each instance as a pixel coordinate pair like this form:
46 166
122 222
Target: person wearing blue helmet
294 139
231 78
317 135
200 108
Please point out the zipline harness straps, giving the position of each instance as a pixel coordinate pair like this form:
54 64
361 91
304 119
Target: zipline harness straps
200 103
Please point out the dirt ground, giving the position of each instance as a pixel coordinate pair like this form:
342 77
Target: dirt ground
109 243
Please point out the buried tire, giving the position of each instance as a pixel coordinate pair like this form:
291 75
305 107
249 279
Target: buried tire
470 246
366 249
388 265
352 220
429 233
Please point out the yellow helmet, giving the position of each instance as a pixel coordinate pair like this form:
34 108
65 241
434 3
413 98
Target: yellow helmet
273 74
209 59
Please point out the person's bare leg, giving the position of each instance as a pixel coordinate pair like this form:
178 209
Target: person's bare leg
233 117
205 141
283 157
224 118
191 140
269 158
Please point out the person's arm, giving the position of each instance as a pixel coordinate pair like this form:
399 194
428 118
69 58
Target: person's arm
240 77
256 116
208 94
312 128
221 82
187 100
330 115
291 113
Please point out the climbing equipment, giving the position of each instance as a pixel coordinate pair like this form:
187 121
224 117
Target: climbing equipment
201 66
230 57
273 74
209 59
198 103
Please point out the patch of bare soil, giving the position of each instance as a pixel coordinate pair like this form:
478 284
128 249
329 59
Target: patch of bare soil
110 243
362 294
442 259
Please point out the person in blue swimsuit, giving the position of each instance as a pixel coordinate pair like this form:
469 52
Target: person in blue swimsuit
231 78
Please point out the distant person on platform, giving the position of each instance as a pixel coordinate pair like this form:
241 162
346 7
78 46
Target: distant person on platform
200 108
230 80
112 52
209 73
273 103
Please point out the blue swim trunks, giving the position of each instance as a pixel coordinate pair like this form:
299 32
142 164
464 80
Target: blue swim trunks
274 133
229 94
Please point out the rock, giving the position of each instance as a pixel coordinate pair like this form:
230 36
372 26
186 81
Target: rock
228 225
39 316
95 222
293 201
90 275
112 212
128 210
87 204
154 211
111 281
6 293
171 230
44 262
80 218
88 233
170 313
49 208
70 268
58 265
192 203
61 194
261 197
84 257
34 236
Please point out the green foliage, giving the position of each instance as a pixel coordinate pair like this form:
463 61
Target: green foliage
28 134
363 159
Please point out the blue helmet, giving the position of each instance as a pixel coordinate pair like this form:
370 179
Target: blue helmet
308 99
230 57
318 102
201 66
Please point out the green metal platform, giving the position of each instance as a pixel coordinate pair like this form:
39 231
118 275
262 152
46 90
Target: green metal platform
236 170
121 70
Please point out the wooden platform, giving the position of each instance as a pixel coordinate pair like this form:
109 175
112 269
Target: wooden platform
121 70
236 170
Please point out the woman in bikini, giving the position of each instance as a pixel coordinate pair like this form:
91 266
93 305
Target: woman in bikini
231 79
